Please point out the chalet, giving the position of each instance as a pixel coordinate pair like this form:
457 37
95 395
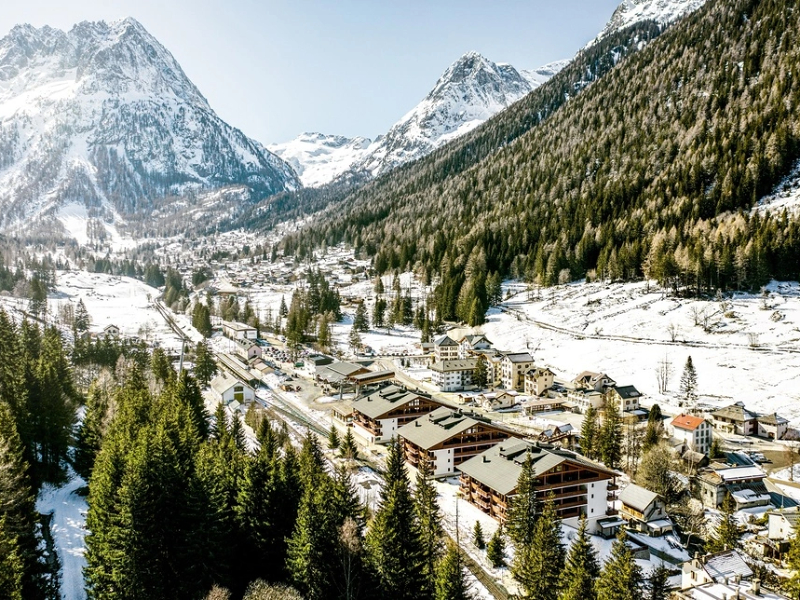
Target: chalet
445 348
498 400
247 349
589 380
111 332
744 484
627 398
453 375
694 432
538 380
377 416
514 365
469 344
227 388
721 567
338 373
735 419
447 437
644 511
580 486
772 426
563 435
235 330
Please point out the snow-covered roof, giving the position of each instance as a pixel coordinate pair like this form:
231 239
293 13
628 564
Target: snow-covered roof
737 473
726 565
637 497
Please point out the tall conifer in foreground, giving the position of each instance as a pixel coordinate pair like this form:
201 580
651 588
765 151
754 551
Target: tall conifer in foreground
451 582
523 508
621 577
582 568
430 518
393 542
539 567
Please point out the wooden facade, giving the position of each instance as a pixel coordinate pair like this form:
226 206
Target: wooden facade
465 445
404 413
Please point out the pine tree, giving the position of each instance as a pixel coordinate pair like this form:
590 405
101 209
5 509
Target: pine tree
204 365
523 508
689 385
162 367
496 550
82 319
378 313
582 568
480 376
393 543
354 339
13 390
333 438
589 437
727 535
539 565
657 584
283 311
655 428
451 582
22 568
477 536
430 517
610 438
349 448
621 577
378 288
187 392
324 332
91 432
360 321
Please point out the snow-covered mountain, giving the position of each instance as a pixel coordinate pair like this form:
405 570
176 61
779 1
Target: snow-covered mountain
472 90
318 158
660 11
100 121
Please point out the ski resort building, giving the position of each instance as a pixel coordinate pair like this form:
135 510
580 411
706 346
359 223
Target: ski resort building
453 375
447 437
377 416
581 487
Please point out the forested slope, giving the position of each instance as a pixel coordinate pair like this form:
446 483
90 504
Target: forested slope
652 170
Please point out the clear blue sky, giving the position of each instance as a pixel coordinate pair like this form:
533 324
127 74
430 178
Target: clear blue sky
276 68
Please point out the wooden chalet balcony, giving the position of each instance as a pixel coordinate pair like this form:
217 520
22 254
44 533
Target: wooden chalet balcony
611 496
612 512
572 504
612 487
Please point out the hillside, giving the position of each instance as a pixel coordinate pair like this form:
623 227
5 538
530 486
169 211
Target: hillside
652 171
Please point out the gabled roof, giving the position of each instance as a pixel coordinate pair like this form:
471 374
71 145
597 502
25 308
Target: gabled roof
687 422
735 412
499 466
386 399
224 381
773 419
445 340
344 368
539 371
637 497
439 426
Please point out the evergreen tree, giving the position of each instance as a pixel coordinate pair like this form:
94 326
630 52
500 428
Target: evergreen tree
589 433
539 565
378 313
13 389
324 332
727 534
451 582
354 339
621 577
430 517
688 388
655 428
360 321
22 568
82 319
393 543
378 286
205 367
91 432
496 550
480 376
333 438
523 508
610 438
655 473
477 536
349 448
161 367
187 393
582 568
283 311
658 584
792 586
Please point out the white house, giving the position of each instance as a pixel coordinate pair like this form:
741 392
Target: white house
453 375
721 567
234 330
772 426
468 344
499 400
247 349
227 388
538 380
111 331
694 432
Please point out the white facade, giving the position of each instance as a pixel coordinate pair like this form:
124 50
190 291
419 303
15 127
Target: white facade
596 505
388 431
443 462
228 389
235 330
695 432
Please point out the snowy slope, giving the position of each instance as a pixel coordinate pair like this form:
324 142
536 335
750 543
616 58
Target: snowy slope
660 11
469 92
104 117
786 195
318 158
